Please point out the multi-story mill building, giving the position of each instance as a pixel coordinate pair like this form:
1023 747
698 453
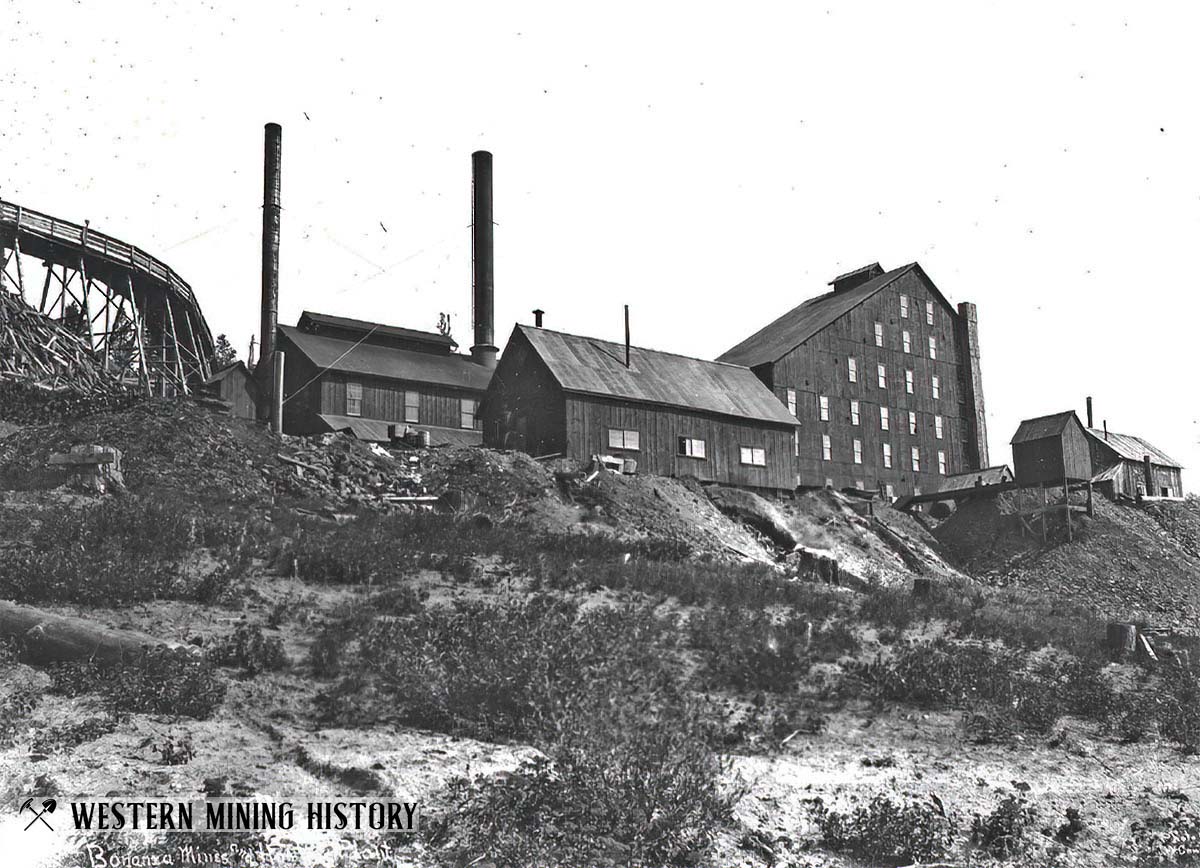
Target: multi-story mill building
883 375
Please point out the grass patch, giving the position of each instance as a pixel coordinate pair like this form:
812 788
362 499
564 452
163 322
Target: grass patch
161 681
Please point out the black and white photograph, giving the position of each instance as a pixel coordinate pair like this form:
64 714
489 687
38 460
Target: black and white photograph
626 435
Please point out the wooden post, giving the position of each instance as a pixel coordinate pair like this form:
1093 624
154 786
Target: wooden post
277 394
1149 471
1091 509
1045 503
1067 510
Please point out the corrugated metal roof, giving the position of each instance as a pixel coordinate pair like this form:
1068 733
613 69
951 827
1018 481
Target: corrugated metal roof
775 340
1133 448
365 326
380 361
1043 426
596 367
989 475
376 430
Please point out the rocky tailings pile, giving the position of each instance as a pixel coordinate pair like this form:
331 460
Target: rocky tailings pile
1128 561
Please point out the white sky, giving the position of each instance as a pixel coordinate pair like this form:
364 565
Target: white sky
711 165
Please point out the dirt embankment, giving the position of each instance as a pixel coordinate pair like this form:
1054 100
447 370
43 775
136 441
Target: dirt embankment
1128 561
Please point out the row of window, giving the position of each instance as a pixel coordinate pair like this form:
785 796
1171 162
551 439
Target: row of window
881 379
885 417
688 447
827 454
904 310
906 341
468 408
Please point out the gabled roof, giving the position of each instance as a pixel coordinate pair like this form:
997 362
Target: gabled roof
1044 426
780 337
309 319
224 372
1133 448
595 367
390 362
988 476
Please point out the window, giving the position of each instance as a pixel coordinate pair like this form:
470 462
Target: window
796 443
854 415
904 307
941 462
932 347
791 401
882 377
755 456
887 454
412 406
826 448
938 427
690 447
466 412
889 492
916 458
620 438
885 421
929 313
852 369
912 422
857 451
908 382
907 342
354 399
824 408
937 386
879 334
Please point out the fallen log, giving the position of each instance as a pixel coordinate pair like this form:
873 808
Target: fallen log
46 638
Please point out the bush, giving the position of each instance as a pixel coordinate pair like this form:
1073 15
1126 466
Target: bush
16 708
71 736
1166 840
161 681
895 832
248 648
1002 833
620 789
750 650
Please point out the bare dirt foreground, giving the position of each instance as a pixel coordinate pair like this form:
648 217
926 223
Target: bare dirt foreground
567 668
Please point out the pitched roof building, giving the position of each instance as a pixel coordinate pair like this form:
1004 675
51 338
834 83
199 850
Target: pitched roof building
558 393
883 374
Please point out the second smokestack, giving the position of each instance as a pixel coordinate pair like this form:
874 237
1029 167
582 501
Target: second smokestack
1089 412
483 287
272 183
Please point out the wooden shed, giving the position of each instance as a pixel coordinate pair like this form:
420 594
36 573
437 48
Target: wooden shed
1050 450
666 414
1121 460
235 385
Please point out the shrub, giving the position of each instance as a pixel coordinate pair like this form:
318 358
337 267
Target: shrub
16 707
1002 833
248 648
175 753
618 790
750 650
162 681
895 832
72 735
1166 840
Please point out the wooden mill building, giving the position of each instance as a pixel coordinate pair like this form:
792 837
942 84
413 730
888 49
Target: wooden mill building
883 374
1120 462
362 376
557 393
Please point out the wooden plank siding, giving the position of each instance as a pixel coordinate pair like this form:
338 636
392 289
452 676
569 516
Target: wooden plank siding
384 399
819 367
589 418
1050 460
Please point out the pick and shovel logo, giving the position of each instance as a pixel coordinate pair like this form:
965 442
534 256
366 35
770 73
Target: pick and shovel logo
39 816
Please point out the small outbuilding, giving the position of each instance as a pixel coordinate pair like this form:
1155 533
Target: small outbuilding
1132 466
235 385
988 478
1051 450
661 413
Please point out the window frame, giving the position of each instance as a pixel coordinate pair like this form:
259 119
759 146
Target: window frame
887 456
936 385
755 453
686 448
826 447
823 408
357 388
414 405
943 466
463 413
855 412
625 432
916 459
903 306
792 401
929 313
852 369
881 371
910 383
885 418
906 338
933 347
858 450
912 423
939 427
878 334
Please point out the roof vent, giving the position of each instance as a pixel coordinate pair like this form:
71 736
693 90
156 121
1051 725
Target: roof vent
857 277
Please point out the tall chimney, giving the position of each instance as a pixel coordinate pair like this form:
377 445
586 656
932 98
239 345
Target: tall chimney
272 175
537 317
1089 412
483 287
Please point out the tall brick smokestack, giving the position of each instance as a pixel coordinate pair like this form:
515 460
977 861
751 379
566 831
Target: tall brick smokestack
967 335
272 181
483 295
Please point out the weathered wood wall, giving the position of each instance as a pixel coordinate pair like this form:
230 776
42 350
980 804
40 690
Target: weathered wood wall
524 407
384 399
1050 460
820 367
